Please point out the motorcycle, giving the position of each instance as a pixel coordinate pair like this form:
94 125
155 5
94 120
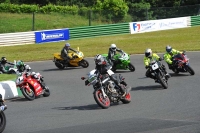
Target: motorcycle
105 90
11 69
158 71
125 62
3 107
77 60
181 64
31 87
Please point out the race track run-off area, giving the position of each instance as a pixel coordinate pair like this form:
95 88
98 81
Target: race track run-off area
71 107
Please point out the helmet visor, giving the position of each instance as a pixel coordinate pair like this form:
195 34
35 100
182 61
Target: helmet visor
147 54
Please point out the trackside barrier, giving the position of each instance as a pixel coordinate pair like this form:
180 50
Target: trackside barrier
8 89
100 30
195 20
18 38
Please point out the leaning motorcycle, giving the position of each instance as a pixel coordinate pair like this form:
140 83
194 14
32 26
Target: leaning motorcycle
31 87
3 107
181 64
77 60
11 69
125 62
156 68
105 90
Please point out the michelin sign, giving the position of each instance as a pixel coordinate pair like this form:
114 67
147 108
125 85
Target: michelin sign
51 35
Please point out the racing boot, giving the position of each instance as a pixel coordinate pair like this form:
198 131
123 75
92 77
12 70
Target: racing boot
122 90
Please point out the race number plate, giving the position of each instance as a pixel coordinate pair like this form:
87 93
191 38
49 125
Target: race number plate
155 66
110 72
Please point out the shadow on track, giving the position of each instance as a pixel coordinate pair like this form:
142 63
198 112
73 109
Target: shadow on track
85 107
179 74
147 88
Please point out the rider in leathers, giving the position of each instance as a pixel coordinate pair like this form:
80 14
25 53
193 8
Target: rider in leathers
147 58
65 51
170 52
102 66
3 65
111 52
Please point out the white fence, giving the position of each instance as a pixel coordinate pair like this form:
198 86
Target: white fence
18 38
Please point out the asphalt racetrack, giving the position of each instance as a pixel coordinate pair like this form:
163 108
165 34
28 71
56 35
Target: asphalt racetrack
71 107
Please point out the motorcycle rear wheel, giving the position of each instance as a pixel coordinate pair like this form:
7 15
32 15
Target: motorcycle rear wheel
28 95
46 92
104 103
190 70
2 121
127 98
131 67
59 66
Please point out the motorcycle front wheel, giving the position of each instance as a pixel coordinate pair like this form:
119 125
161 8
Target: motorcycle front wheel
84 63
46 92
162 81
2 121
131 67
190 70
28 95
104 103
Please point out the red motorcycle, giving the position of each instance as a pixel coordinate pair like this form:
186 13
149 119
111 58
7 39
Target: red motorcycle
181 64
31 87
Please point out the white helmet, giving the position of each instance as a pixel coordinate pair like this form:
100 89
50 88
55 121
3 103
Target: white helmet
98 59
148 52
113 47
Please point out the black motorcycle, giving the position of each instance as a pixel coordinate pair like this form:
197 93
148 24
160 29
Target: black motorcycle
157 70
3 107
105 90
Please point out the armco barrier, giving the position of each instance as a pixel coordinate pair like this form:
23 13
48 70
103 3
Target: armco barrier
195 20
8 89
17 38
92 31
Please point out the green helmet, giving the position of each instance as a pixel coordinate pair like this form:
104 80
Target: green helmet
20 65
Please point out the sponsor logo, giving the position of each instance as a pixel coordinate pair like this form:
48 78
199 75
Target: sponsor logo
136 27
51 36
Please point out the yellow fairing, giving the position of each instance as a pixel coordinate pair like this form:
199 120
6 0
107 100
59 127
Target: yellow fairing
57 56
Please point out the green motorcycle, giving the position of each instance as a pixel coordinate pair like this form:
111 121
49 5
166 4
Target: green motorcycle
125 62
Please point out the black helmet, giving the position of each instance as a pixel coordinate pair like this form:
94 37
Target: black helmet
168 49
3 60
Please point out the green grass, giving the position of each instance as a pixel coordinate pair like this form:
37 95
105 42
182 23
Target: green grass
14 22
182 39
4 77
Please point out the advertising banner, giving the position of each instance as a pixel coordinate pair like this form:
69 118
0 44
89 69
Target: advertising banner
156 25
51 35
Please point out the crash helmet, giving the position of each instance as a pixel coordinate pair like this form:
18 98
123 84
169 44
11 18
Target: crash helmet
113 47
148 52
20 65
168 49
98 59
67 46
3 60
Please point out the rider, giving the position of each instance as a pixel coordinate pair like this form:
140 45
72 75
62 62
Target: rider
111 52
3 65
2 105
102 66
24 68
170 52
147 58
65 51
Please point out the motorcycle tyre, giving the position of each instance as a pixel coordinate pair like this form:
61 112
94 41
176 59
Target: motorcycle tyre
190 70
85 63
27 96
165 85
46 92
131 67
59 66
127 98
99 101
3 121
